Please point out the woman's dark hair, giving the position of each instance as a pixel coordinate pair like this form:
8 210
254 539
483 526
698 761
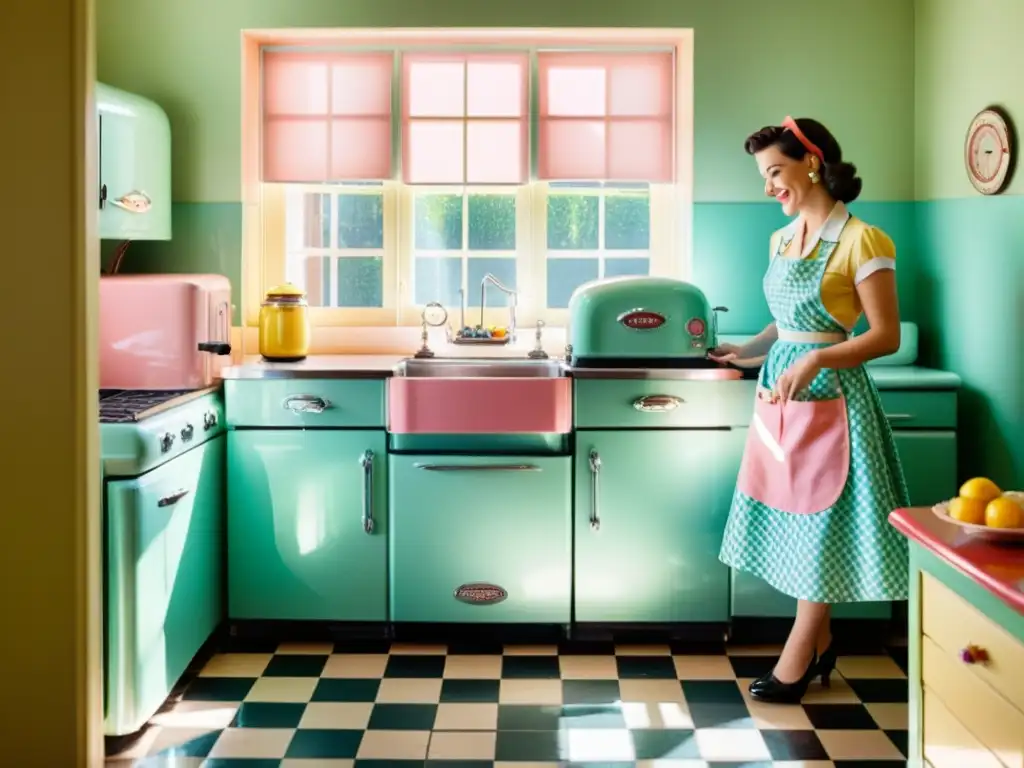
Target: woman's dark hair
840 178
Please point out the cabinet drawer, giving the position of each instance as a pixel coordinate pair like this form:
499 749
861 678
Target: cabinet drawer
919 409
953 625
993 721
304 403
947 743
619 403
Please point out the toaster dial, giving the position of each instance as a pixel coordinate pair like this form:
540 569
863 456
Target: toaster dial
696 327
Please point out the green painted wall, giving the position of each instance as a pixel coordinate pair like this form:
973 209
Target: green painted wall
754 63
971 248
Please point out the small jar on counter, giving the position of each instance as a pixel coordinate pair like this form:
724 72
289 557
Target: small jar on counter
284 324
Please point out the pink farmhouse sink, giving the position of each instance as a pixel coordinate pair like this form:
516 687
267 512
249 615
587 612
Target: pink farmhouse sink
479 397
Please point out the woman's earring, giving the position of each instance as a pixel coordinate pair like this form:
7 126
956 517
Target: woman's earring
814 177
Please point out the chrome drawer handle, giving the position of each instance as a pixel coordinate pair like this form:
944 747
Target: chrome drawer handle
899 416
479 467
366 461
306 404
595 491
657 403
173 498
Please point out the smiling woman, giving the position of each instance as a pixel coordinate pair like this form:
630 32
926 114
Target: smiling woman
810 511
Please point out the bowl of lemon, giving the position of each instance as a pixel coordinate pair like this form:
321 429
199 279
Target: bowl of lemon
984 510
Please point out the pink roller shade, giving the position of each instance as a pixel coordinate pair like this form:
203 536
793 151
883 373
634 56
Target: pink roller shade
326 116
606 117
465 119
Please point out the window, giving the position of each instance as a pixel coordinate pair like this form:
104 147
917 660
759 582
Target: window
393 178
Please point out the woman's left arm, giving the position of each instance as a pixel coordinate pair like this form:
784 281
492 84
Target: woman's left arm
877 294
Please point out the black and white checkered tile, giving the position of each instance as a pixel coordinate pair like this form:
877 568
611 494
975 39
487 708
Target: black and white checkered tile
301 705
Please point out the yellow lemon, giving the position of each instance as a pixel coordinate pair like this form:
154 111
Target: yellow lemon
967 510
1004 513
980 488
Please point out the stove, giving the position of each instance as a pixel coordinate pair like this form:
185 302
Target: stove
142 429
163 460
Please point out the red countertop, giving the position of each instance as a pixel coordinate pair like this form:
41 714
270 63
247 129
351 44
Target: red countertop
999 568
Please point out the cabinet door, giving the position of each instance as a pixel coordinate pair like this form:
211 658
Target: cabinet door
135 159
164 579
298 547
661 499
929 465
481 538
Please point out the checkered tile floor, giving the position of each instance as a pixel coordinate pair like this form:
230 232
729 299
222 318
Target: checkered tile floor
324 705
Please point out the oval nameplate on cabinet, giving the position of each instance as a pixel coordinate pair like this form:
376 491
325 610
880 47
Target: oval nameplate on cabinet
480 594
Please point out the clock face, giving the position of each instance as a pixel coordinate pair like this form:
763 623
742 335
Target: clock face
989 152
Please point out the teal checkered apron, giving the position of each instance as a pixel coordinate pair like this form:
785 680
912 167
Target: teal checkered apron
848 552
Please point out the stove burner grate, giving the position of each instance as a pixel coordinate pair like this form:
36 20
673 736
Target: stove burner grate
126 406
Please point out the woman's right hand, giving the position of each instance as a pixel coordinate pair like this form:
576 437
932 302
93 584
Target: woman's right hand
725 353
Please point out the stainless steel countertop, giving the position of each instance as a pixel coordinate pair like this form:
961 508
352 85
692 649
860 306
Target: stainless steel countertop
383 367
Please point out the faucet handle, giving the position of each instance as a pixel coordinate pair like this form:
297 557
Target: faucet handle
538 353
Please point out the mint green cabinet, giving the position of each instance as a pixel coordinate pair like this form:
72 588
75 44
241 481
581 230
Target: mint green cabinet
929 464
307 525
134 197
650 510
164 580
480 539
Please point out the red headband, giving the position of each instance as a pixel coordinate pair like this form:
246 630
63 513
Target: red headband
790 125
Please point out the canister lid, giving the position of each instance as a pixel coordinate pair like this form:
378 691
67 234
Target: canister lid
286 291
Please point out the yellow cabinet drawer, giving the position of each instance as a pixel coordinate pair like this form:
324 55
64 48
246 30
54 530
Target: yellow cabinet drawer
947 743
990 718
954 624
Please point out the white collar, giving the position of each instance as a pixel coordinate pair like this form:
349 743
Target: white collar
829 231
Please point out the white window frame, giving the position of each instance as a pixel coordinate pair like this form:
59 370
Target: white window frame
264 257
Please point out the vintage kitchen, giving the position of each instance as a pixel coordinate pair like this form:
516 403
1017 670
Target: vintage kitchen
454 384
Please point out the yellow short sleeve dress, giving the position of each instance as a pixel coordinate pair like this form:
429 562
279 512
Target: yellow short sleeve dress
847 552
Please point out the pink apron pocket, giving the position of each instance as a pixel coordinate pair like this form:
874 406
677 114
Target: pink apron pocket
797 457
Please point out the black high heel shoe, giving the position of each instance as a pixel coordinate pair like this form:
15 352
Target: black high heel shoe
771 690
826 664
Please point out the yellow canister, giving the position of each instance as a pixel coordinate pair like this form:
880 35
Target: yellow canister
284 324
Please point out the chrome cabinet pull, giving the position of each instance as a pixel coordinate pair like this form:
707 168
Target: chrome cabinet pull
479 467
899 416
595 491
173 498
306 404
657 403
366 461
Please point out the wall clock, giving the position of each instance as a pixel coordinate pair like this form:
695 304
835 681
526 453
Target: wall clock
990 151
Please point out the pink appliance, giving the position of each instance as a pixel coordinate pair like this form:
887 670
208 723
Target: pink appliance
164 331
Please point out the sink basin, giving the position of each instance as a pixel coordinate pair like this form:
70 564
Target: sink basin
430 396
472 369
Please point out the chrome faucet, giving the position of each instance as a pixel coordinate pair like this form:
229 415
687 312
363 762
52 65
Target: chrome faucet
513 297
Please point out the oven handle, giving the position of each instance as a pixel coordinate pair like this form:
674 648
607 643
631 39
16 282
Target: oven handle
595 491
479 467
173 498
366 461
306 404
657 403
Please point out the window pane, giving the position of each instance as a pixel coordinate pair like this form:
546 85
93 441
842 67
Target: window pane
572 222
438 223
503 269
437 279
622 267
360 281
565 276
313 275
360 222
492 222
627 222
